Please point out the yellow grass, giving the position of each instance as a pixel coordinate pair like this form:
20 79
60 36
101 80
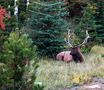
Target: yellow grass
97 49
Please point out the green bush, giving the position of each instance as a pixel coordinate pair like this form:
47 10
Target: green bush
5 75
20 56
86 49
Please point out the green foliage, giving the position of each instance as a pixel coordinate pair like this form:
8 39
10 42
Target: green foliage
18 47
86 49
18 51
3 37
5 3
10 23
93 21
87 23
22 12
19 58
99 17
5 74
47 26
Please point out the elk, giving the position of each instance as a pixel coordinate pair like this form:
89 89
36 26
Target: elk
74 53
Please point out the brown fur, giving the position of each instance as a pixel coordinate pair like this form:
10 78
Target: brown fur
76 54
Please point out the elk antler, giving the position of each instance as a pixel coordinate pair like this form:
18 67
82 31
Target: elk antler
87 37
68 39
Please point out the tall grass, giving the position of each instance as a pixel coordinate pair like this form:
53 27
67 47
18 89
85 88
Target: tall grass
57 74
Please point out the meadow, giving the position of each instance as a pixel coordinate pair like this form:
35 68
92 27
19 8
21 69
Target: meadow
57 75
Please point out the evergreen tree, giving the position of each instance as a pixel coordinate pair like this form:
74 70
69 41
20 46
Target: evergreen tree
5 3
48 26
22 7
99 17
87 22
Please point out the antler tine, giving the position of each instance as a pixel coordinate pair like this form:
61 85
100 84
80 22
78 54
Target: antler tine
87 37
68 39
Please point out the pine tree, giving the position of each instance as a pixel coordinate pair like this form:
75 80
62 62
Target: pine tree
48 26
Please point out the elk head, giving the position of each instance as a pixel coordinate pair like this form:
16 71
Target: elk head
75 50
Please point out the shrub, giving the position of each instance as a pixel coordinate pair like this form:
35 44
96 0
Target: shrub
86 49
5 75
20 55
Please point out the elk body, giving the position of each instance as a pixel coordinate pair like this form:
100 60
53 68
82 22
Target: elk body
64 56
74 53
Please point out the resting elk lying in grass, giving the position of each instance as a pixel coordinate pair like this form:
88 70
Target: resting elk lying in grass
74 53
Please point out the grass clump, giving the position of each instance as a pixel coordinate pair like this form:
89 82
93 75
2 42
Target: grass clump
97 49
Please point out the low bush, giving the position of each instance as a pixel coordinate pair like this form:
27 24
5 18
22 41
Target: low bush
20 60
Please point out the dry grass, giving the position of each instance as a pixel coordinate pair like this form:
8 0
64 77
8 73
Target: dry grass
97 49
57 74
